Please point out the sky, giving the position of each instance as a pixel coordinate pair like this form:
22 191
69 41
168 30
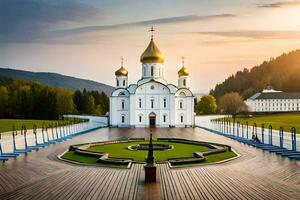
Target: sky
86 38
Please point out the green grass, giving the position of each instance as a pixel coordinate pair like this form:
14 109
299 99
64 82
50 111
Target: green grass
219 157
6 125
119 150
286 120
70 155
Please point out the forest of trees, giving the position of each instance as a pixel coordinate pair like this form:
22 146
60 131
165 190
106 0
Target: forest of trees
32 100
283 73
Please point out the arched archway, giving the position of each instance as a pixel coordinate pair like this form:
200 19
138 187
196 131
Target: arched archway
152 120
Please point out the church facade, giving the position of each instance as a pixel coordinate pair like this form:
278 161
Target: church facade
152 101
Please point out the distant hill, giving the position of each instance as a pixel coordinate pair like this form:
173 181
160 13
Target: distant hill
283 73
57 80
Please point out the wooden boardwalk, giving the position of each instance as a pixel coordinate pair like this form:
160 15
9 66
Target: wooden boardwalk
255 175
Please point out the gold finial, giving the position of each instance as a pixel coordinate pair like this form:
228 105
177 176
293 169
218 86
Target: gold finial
152 30
182 60
122 60
183 71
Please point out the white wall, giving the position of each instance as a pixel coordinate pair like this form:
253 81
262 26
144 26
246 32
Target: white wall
156 92
273 105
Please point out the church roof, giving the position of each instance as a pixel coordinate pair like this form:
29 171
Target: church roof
276 95
152 54
121 72
183 72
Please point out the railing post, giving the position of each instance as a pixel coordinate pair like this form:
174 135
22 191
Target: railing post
242 130
254 131
52 133
227 126
238 129
56 130
47 134
35 135
43 133
263 133
14 139
281 137
61 133
294 141
247 131
25 138
270 135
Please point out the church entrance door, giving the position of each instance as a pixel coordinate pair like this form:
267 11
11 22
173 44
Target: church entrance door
152 120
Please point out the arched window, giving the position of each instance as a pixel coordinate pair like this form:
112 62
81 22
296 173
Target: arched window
117 82
123 104
184 82
140 103
124 82
123 119
152 103
181 118
180 105
182 94
152 70
121 94
164 118
165 102
140 118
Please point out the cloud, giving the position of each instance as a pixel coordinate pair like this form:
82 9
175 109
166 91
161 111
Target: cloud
170 20
256 34
280 4
25 20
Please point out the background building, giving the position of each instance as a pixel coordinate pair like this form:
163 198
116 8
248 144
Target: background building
270 100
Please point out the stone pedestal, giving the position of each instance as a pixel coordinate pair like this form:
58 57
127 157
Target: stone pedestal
150 173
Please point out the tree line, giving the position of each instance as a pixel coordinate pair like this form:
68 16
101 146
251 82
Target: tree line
231 103
282 73
32 100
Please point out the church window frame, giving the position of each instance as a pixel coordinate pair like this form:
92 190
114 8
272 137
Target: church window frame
181 118
165 102
181 104
124 82
140 103
123 119
184 82
117 83
140 118
164 118
152 103
152 71
123 104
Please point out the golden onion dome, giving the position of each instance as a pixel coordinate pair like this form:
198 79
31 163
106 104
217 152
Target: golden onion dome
152 54
121 72
183 72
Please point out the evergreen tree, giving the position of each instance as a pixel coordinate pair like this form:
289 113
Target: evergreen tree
3 101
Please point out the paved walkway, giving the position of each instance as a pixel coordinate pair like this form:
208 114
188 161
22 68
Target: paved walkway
255 175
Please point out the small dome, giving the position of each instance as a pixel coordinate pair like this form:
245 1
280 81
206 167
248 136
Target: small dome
121 72
183 72
152 54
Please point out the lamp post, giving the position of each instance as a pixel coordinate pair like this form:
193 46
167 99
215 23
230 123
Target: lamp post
150 168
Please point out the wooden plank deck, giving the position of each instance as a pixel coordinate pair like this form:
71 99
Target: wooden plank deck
255 175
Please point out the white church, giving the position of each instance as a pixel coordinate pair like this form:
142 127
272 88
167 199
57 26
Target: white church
152 101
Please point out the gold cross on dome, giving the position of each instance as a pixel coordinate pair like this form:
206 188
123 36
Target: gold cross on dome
152 30
182 60
122 60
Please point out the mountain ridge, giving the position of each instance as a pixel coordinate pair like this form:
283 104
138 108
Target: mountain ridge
282 72
56 80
